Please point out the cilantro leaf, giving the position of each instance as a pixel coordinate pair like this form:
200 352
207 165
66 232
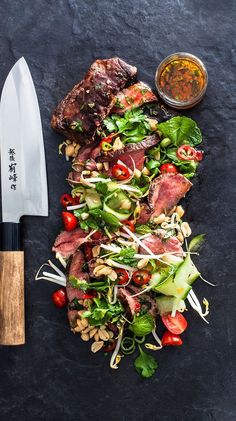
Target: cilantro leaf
145 364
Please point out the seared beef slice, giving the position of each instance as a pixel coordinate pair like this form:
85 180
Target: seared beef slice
83 109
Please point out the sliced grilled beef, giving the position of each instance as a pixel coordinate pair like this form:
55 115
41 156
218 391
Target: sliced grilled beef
135 151
147 303
145 214
67 242
158 245
129 302
83 109
166 191
76 269
133 96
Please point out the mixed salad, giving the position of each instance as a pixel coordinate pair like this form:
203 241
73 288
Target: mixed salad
130 270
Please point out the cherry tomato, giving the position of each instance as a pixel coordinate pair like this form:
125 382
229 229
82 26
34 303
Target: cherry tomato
186 153
168 168
199 155
96 236
130 225
88 252
120 172
176 324
69 221
171 339
141 277
122 276
59 298
66 200
109 347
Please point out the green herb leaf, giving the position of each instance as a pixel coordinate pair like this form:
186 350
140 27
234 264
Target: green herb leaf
101 188
145 364
143 229
181 130
142 325
77 126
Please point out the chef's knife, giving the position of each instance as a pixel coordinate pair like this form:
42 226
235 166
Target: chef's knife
24 191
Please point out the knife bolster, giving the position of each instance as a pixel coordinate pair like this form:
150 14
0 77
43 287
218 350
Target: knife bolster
10 236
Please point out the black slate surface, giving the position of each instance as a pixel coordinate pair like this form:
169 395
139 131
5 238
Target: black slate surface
54 376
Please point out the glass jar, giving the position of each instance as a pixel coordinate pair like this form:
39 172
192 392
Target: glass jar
181 80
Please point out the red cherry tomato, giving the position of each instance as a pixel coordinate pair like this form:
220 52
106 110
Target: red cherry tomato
199 155
96 236
66 200
88 252
59 298
109 347
122 276
141 277
176 324
120 172
130 225
171 339
69 221
168 168
186 153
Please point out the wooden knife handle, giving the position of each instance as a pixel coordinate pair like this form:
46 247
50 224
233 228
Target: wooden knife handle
12 311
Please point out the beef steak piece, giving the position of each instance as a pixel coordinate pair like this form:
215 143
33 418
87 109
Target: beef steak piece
80 113
166 191
133 96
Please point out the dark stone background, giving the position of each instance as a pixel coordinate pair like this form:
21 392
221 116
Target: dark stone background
54 376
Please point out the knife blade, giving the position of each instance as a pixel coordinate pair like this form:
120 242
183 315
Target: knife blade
23 187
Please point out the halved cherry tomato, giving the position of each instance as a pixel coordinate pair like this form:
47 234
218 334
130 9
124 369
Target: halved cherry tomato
199 155
120 172
96 236
88 251
109 347
66 200
130 225
171 339
176 324
59 298
122 276
69 221
168 168
141 277
186 153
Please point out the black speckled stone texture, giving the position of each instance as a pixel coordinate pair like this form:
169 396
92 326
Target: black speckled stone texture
54 377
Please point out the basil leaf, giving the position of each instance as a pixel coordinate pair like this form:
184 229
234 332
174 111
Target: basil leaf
181 130
142 325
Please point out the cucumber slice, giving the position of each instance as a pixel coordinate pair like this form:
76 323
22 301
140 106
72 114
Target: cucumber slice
118 204
93 199
166 304
169 287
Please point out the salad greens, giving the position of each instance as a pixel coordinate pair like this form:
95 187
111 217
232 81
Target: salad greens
101 312
142 325
133 126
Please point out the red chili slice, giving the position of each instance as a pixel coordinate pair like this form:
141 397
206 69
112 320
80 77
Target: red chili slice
171 339
122 276
109 347
130 225
199 155
141 277
66 200
186 153
120 172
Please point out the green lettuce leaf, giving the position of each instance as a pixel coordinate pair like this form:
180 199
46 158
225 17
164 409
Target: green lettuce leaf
142 325
181 130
